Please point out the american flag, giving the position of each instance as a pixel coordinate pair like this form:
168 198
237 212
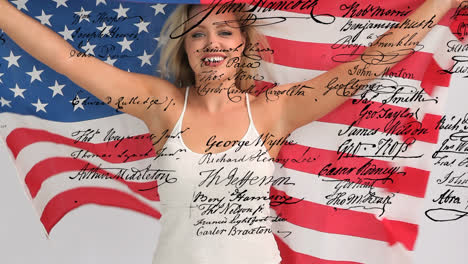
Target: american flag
58 133
48 123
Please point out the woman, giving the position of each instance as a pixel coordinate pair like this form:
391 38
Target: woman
209 215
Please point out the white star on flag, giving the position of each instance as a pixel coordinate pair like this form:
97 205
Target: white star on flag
83 14
125 44
35 74
4 102
142 26
18 91
61 3
1 74
101 2
57 89
20 4
110 61
44 18
159 8
104 29
88 48
77 102
121 12
12 59
145 58
67 34
40 106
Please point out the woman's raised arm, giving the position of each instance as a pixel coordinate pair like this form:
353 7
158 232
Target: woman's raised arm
99 78
334 87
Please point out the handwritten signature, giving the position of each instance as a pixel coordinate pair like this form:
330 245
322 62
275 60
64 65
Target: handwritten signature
250 19
458 66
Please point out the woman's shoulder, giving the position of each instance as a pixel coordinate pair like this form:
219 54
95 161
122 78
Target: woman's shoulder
266 110
165 100
160 87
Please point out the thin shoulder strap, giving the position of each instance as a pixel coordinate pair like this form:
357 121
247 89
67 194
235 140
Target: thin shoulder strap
248 107
178 125
186 98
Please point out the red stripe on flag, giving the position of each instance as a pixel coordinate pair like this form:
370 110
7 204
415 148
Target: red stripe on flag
66 201
433 76
459 27
399 231
125 151
50 167
414 182
406 180
345 222
290 256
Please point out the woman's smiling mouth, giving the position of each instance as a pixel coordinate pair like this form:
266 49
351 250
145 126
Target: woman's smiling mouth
213 60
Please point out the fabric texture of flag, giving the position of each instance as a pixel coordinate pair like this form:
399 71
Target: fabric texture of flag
359 173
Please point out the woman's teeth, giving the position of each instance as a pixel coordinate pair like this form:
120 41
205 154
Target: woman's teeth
213 59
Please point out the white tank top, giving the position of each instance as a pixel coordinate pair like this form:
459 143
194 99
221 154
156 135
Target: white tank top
217 212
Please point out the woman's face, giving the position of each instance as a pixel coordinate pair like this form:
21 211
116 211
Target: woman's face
212 43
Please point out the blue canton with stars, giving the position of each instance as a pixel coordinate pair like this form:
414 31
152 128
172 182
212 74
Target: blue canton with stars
123 34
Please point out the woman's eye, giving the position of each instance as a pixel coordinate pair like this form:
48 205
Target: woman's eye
225 33
197 35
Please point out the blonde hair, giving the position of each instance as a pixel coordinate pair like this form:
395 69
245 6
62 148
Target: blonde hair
174 62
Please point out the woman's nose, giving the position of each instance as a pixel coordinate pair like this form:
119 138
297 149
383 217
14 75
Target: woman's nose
213 40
